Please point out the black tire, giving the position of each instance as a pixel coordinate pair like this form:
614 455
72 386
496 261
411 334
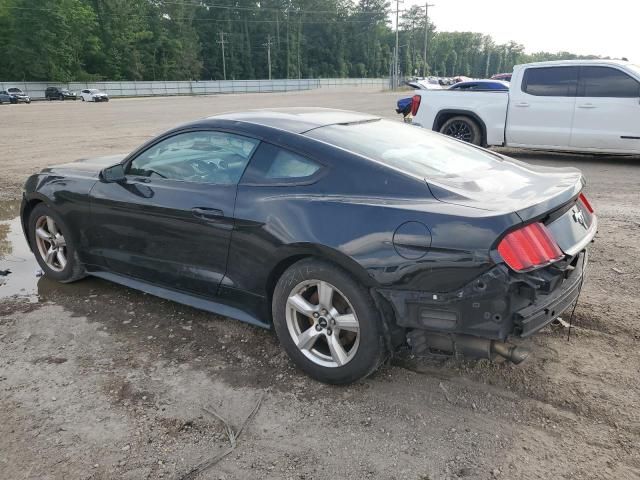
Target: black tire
82 98
371 350
463 128
74 269
61 98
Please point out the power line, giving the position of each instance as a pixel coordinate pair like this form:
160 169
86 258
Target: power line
232 7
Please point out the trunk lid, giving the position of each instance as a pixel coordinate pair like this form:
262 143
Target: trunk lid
508 185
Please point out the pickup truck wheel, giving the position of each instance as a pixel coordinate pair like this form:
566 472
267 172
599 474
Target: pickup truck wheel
462 128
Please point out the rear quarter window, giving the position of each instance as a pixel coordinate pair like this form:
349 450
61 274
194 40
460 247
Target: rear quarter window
274 165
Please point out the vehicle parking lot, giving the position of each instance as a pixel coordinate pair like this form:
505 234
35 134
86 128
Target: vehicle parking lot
99 381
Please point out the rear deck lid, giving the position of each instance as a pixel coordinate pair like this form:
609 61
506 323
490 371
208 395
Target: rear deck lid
507 185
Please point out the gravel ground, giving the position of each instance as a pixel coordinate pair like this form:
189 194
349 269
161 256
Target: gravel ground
102 382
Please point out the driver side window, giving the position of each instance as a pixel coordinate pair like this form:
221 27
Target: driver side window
202 156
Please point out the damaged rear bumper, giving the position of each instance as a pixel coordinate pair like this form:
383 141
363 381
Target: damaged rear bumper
493 307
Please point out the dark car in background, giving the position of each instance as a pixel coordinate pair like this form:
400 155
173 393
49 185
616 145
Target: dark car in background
481 86
348 234
57 93
5 97
15 96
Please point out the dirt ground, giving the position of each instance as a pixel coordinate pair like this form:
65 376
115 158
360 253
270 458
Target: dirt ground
101 382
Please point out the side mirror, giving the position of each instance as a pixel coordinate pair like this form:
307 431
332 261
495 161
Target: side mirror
114 173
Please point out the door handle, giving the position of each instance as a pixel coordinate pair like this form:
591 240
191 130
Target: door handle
207 213
587 105
522 104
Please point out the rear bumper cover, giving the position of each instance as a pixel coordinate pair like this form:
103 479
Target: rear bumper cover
496 305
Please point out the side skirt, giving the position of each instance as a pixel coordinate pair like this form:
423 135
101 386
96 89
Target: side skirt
183 298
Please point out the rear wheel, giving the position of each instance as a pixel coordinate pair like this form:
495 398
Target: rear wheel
463 128
52 245
327 322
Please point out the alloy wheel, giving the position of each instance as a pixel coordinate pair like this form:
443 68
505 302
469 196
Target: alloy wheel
322 323
460 130
51 243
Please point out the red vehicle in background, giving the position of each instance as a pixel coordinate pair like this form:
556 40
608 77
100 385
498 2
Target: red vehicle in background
502 76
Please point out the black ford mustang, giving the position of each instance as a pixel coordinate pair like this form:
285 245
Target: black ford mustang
351 235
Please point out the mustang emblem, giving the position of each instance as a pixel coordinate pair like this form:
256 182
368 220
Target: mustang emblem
578 217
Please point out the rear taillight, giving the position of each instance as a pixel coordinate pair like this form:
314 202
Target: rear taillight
586 203
529 247
415 104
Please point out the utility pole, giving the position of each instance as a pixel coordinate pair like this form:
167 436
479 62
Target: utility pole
268 45
396 53
222 41
426 36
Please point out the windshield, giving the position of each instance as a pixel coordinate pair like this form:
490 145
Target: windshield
93 90
408 148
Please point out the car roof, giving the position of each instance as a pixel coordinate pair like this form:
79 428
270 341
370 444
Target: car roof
296 119
600 61
486 80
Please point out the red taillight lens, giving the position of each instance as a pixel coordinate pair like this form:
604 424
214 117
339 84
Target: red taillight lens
415 104
585 202
529 247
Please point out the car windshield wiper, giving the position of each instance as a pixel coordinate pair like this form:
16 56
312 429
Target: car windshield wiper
151 172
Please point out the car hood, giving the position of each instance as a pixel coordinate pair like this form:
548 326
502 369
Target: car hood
510 186
86 166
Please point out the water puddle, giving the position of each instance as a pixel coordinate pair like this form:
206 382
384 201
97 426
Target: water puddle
18 267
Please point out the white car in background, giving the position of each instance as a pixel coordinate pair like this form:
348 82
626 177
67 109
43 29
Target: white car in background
590 106
93 95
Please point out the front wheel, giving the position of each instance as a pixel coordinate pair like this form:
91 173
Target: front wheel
463 128
52 245
327 322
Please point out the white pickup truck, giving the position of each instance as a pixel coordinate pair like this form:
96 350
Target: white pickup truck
577 106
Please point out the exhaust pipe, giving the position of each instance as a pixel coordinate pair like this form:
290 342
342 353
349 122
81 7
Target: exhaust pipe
512 353
422 341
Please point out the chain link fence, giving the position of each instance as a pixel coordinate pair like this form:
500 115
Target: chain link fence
207 87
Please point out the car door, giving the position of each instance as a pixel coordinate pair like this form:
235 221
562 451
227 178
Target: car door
540 112
169 222
607 111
